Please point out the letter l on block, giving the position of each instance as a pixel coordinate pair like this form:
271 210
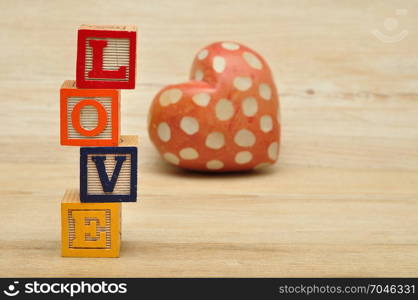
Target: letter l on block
97 71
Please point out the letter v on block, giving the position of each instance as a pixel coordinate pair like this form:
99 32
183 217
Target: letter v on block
108 185
109 174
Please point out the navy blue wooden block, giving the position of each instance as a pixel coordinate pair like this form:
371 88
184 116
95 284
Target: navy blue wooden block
108 174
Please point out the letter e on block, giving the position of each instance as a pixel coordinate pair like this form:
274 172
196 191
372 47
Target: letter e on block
89 117
89 229
106 57
109 174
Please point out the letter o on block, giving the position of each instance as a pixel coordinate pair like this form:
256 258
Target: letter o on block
101 117
89 117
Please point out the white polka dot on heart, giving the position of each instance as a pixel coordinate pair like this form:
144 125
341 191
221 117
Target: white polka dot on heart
262 165
244 138
201 99
198 75
266 123
189 153
214 164
189 125
272 150
170 96
215 140
243 157
252 60
230 46
224 109
202 54
172 158
265 91
164 132
242 83
249 106
218 64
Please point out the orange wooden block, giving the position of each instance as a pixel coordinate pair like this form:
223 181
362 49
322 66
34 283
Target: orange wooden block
89 229
89 117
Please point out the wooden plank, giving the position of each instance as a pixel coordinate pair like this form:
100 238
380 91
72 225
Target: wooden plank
342 201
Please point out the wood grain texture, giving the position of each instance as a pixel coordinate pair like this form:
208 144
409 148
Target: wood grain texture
343 200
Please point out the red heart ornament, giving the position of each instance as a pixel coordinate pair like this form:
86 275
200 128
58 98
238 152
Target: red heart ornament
225 118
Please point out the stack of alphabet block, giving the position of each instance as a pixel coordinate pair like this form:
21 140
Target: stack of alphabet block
90 118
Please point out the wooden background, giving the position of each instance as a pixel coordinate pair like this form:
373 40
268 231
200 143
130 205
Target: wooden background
343 200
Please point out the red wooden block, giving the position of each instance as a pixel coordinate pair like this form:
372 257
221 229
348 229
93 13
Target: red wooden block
89 117
106 57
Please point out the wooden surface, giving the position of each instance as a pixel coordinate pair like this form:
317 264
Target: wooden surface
343 200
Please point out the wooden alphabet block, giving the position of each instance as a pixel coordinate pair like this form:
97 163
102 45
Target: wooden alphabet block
89 117
109 174
89 229
106 57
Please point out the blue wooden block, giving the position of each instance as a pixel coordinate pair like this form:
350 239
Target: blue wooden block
108 174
